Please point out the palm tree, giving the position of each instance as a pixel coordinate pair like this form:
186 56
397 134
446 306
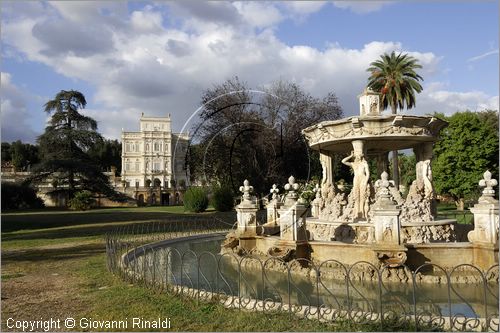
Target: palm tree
394 77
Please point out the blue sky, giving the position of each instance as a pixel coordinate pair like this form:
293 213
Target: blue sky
157 58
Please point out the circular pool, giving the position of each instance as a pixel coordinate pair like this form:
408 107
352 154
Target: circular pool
194 264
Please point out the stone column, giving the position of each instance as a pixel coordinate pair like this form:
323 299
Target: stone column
423 155
386 213
292 215
246 212
272 207
485 213
327 165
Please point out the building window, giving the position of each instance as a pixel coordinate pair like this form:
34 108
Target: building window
157 166
147 146
147 166
127 146
156 146
136 147
137 166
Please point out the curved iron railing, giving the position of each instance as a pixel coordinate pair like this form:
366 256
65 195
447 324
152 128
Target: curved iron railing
146 254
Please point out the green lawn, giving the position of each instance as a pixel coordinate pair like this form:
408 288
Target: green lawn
54 265
52 218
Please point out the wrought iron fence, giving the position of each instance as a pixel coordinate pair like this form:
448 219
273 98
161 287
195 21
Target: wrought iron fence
462 298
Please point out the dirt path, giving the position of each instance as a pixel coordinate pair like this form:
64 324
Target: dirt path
43 283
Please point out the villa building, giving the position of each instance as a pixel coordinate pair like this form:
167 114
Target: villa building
154 162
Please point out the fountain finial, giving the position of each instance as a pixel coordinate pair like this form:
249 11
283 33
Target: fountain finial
488 183
246 189
382 185
274 192
291 187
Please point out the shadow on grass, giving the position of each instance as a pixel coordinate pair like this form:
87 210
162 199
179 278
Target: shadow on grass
52 219
59 233
34 255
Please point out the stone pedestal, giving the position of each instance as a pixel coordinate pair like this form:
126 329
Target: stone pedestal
386 225
247 219
315 207
246 212
485 223
485 214
272 212
386 213
293 223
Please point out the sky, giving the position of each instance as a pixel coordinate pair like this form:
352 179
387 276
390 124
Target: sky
158 57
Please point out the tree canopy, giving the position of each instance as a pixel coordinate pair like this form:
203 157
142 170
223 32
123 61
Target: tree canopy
22 155
107 154
468 147
395 78
256 134
64 146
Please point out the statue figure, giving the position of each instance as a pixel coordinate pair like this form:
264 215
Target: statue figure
427 179
359 191
326 162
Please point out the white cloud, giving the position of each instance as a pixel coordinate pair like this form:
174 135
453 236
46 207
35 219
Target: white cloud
259 14
449 102
304 7
154 69
15 114
361 7
146 21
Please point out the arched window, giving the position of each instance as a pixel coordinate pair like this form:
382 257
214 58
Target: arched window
147 165
147 146
156 146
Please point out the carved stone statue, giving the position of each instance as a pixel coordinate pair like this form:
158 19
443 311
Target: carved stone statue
427 179
359 191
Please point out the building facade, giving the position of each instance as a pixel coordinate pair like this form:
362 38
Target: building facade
154 161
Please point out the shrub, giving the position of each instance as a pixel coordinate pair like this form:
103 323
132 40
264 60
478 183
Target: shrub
195 200
19 196
222 198
82 200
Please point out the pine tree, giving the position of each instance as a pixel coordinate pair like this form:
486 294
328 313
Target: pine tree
64 146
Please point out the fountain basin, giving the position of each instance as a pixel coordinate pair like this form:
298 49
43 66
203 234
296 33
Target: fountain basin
382 133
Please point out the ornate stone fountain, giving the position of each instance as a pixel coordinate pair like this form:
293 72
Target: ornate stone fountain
372 222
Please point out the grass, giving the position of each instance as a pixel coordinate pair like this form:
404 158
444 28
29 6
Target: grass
16 220
54 266
450 211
